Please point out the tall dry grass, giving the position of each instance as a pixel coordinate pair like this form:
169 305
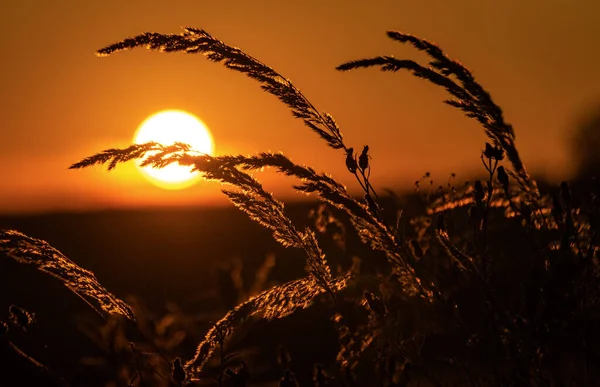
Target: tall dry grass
497 283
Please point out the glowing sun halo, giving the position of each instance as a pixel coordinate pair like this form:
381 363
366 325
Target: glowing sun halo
167 127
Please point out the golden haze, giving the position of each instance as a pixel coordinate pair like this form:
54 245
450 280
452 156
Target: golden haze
61 103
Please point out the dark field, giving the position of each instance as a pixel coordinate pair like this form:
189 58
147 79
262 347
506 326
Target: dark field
183 269
190 265
163 255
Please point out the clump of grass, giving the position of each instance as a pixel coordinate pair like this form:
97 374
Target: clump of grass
510 299
508 187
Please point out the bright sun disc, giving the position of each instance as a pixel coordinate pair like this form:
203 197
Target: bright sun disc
167 127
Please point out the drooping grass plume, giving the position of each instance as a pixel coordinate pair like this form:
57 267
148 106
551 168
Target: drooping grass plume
47 259
114 156
470 97
277 302
262 207
250 197
194 41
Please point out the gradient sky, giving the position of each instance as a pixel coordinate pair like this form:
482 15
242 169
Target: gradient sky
539 60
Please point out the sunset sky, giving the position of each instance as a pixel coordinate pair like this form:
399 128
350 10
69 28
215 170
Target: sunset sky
60 102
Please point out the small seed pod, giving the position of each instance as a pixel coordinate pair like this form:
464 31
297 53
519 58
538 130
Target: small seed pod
489 149
363 159
351 160
492 152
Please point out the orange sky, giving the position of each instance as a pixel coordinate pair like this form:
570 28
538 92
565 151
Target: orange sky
539 60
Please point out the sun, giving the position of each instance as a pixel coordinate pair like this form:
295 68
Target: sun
167 127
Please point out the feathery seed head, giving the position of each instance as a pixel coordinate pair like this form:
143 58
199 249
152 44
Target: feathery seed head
48 260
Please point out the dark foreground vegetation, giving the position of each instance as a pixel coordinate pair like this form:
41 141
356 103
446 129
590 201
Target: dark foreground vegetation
493 282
